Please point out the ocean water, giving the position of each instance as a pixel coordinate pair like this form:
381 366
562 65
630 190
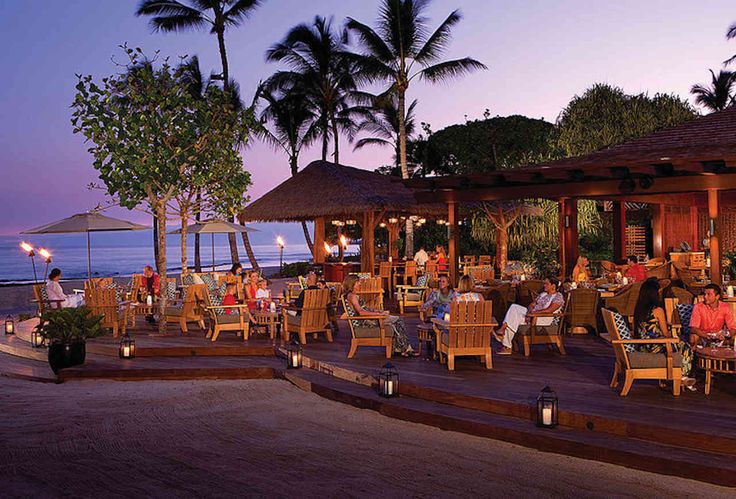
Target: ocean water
124 253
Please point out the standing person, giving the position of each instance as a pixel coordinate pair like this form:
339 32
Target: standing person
440 298
550 301
421 257
712 319
56 295
150 286
635 271
355 307
581 272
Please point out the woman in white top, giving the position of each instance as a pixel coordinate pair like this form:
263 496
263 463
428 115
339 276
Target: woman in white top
56 295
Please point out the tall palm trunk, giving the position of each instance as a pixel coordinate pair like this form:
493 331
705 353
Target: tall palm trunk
336 138
325 137
294 163
409 246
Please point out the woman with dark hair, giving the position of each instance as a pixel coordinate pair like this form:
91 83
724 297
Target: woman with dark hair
235 270
55 293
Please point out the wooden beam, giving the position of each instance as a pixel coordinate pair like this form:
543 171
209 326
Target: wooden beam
658 236
714 202
454 242
619 230
319 240
694 236
393 236
569 240
367 246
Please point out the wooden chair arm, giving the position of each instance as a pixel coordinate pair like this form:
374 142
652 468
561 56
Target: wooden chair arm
472 324
239 305
347 317
406 286
651 341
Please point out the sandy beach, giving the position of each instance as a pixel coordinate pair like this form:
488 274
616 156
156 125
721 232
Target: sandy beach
268 438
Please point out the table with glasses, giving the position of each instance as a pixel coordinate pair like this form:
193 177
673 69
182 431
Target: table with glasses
713 359
271 320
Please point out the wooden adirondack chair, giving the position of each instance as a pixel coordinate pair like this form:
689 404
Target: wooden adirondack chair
469 260
372 292
412 296
642 365
625 300
42 301
485 260
535 334
367 331
238 320
410 273
188 309
312 318
581 311
528 290
103 301
386 275
484 273
469 333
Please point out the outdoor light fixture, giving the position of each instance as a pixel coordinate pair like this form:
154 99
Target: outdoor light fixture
382 225
280 242
327 248
567 221
127 347
335 222
47 258
393 220
712 226
32 254
9 325
388 381
294 355
37 339
440 221
547 413
422 221
343 241
350 222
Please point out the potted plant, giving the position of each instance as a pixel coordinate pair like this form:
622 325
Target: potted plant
66 331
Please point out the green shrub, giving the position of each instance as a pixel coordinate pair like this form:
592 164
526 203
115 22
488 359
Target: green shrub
67 325
295 269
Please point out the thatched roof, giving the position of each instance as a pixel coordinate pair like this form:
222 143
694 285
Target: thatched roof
324 189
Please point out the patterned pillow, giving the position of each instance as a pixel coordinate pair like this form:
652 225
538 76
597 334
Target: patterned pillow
44 293
685 311
216 296
171 290
623 330
187 279
210 282
422 280
119 292
356 323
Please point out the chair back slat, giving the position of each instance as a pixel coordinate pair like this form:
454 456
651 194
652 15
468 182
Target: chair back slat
315 308
431 268
470 324
613 332
485 260
582 307
103 301
410 269
384 270
469 260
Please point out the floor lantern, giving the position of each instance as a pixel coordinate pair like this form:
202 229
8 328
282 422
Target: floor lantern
37 339
9 325
127 347
294 355
388 381
547 412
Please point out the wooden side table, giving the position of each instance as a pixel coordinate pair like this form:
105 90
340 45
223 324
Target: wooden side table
268 319
715 360
425 333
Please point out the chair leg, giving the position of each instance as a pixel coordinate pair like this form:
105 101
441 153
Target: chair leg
353 348
328 333
303 337
115 330
450 362
527 346
614 379
628 381
246 331
560 346
216 333
388 350
201 323
183 324
489 359
676 386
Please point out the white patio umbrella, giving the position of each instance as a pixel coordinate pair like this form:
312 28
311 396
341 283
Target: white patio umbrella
86 222
215 227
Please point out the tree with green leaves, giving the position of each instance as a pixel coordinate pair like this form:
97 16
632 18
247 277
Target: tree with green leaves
401 49
217 16
323 72
147 133
719 94
287 123
380 122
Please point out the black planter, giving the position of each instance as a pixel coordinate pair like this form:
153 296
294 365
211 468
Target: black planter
62 355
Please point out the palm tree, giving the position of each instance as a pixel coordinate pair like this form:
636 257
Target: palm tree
288 124
401 49
718 96
730 34
321 70
217 15
381 121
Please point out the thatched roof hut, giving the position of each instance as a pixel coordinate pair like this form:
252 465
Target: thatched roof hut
330 190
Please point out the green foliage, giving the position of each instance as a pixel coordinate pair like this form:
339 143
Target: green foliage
730 257
543 256
295 269
67 325
25 316
604 116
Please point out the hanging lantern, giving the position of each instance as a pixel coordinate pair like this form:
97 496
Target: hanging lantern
422 221
335 222
350 222
127 347
547 414
388 381
440 221
9 325
37 339
393 220
382 225
294 355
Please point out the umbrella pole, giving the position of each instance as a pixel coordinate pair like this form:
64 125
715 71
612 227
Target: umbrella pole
213 252
89 258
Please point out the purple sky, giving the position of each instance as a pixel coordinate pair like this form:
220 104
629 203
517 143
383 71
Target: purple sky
539 55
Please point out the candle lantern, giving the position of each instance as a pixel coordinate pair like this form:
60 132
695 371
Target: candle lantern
388 381
447 317
393 220
382 225
350 221
294 355
127 347
9 325
547 413
37 339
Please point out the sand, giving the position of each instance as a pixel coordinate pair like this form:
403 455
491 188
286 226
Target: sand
268 438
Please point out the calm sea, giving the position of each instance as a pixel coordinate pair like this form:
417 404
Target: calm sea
123 253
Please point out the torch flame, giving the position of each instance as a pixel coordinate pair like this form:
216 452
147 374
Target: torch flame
44 253
280 241
26 247
327 247
343 241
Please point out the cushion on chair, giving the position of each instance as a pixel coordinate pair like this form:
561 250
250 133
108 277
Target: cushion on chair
209 281
412 296
187 279
422 280
623 331
372 332
228 319
646 360
685 311
294 320
526 329
173 311
171 290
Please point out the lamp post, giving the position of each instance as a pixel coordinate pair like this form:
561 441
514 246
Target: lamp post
280 242
47 258
32 255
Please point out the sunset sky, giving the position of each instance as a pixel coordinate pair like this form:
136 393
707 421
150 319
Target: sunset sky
539 55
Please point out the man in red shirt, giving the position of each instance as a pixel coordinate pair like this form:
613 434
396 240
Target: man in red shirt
636 272
710 317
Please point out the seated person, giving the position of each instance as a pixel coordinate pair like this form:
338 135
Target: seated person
150 286
440 298
251 288
263 293
56 295
311 284
712 319
230 298
548 301
465 290
581 272
635 271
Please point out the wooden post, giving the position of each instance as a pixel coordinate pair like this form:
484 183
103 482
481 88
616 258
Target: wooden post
619 230
453 245
694 237
569 237
658 237
318 251
367 246
714 201
393 236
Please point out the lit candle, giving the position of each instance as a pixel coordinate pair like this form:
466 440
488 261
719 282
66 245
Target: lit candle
126 351
149 300
729 291
294 359
389 387
447 317
273 306
547 416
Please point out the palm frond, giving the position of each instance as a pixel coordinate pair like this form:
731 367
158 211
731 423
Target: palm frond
731 33
370 40
371 141
240 10
436 44
448 70
171 15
